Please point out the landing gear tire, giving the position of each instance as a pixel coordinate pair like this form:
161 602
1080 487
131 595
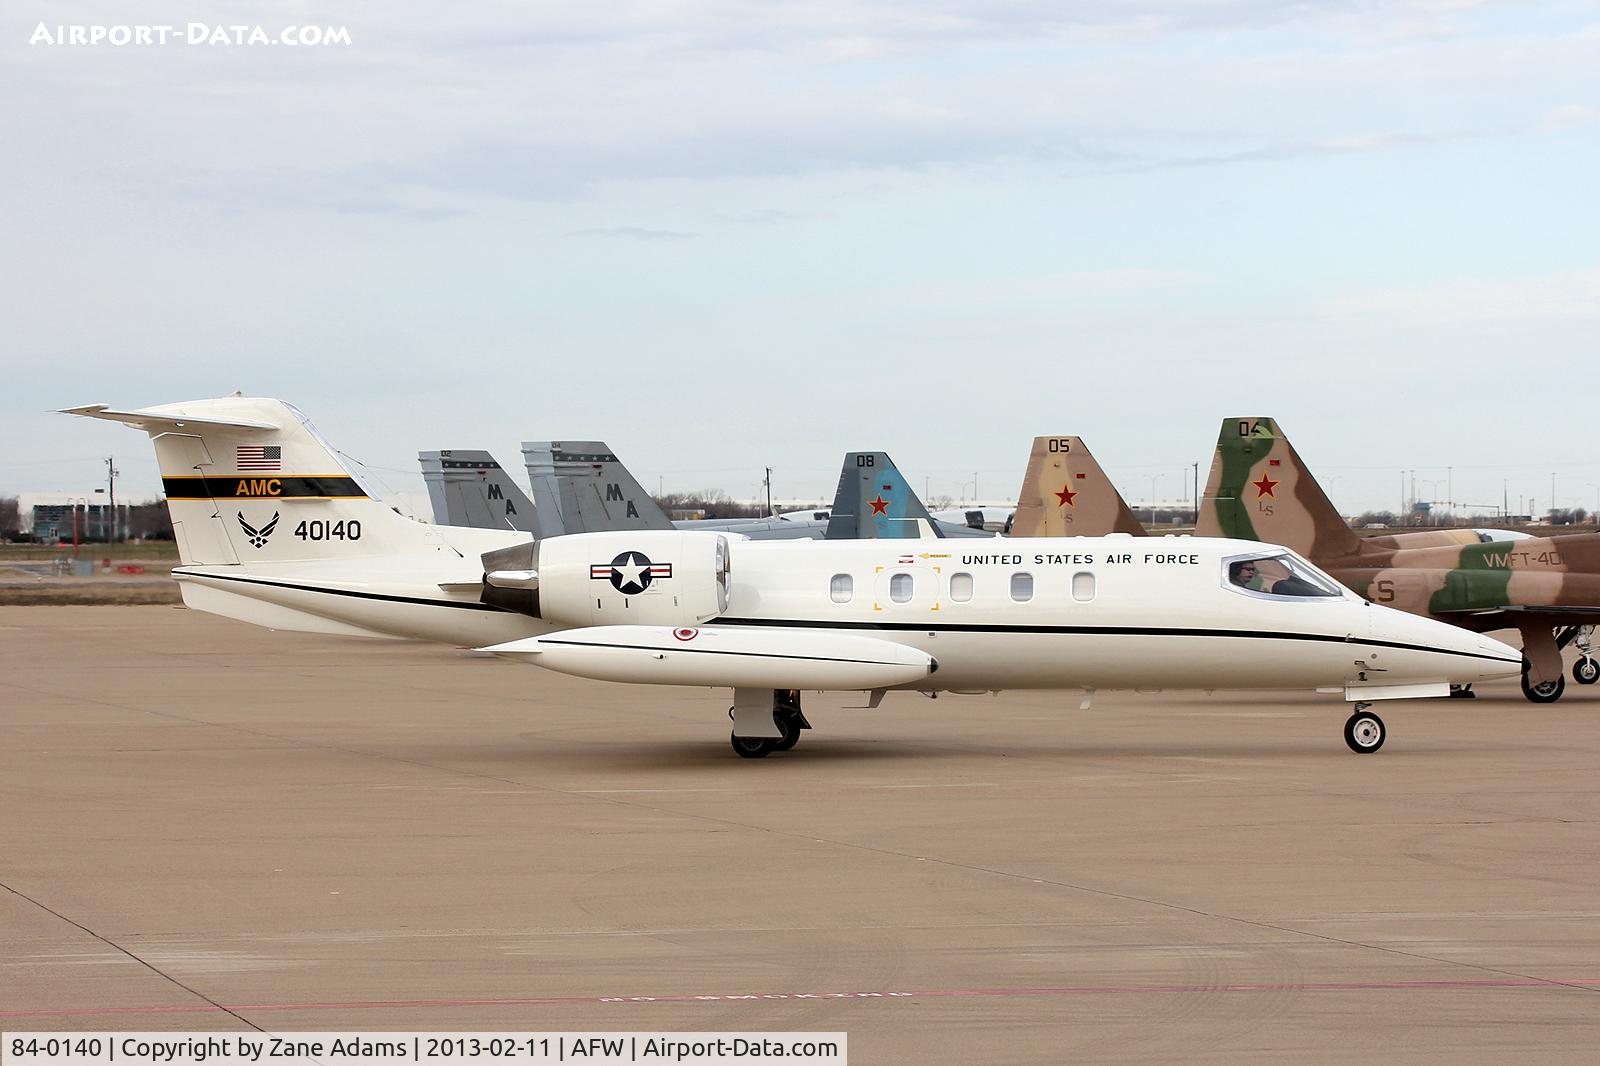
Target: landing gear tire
1462 692
790 724
1364 732
1546 692
1586 671
753 747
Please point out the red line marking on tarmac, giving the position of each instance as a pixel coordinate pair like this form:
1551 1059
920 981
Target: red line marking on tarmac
768 997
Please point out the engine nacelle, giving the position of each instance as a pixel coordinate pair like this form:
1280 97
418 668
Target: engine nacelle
648 578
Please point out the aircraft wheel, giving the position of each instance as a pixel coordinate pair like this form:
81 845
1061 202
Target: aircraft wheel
1586 671
753 747
1547 692
790 724
1462 692
1364 732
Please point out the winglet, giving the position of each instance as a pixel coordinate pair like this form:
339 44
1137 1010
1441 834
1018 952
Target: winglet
1066 494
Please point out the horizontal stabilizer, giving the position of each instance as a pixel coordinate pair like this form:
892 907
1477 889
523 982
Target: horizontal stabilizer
157 420
775 657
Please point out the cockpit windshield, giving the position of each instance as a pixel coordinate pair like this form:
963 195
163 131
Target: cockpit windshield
1278 574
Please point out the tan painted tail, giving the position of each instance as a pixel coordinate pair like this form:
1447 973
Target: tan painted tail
1066 494
1260 489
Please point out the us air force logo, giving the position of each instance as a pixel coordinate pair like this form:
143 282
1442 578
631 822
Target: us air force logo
258 537
630 572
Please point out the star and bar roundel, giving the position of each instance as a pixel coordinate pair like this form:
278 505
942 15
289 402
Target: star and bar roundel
629 573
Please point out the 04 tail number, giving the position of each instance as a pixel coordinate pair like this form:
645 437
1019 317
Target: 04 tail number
320 530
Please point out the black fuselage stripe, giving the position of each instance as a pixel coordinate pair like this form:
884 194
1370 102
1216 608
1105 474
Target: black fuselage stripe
261 486
895 627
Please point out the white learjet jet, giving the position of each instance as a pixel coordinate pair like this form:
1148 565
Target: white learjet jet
273 528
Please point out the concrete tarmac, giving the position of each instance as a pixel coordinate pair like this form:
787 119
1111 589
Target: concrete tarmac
204 825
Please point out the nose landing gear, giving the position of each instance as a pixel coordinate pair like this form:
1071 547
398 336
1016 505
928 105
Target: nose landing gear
1364 731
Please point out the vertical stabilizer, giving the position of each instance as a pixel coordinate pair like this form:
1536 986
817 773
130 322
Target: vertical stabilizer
249 479
1066 494
874 502
1259 489
468 488
579 486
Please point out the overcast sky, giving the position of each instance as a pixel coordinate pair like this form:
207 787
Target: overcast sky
723 235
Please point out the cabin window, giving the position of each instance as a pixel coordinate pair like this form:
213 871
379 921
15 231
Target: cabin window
1278 575
841 588
900 588
1083 586
1022 587
961 587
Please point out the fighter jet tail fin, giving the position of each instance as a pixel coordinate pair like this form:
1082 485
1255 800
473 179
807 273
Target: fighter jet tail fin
582 487
249 479
874 502
469 488
1260 489
1065 493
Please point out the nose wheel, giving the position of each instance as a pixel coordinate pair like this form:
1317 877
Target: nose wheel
1364 731
1586 671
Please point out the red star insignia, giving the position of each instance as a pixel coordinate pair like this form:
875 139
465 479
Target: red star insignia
1066 496
1265 486
880 505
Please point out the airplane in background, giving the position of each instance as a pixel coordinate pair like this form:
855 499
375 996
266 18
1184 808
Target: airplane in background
467 487
581 487
273 528
988 519
1546 587
1065 493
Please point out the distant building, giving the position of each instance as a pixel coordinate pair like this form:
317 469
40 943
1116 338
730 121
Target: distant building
54 522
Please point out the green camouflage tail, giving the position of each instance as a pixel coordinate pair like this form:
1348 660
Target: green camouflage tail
1259 489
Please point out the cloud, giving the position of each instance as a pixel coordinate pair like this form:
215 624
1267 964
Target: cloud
1561 296
633 233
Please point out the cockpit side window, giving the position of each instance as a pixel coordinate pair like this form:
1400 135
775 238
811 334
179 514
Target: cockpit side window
1278 575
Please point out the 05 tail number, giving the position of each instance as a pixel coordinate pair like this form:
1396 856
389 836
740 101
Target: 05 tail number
320 530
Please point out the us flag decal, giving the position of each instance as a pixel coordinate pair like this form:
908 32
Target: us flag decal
258 457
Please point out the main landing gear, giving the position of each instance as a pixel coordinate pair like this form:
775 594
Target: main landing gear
1364 732
1544 691
786 721
1545 645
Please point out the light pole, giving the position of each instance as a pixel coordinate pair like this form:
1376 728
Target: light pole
1154 479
